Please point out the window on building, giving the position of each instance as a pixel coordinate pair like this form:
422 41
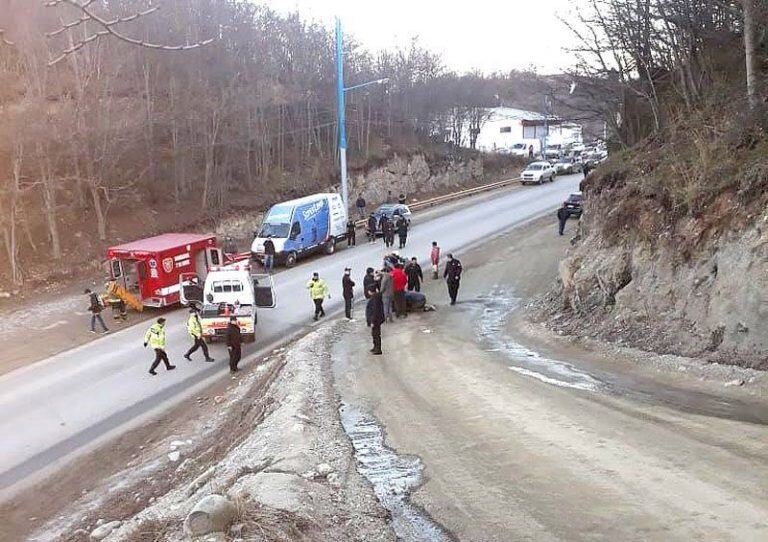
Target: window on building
505 130
529 132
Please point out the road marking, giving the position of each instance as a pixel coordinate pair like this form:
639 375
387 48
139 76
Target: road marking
53 325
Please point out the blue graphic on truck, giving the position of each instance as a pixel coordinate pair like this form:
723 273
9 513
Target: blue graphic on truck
309 227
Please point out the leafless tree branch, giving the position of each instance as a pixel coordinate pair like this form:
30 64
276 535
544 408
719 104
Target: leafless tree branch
109 27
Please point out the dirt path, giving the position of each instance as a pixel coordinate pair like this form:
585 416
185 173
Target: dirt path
519 446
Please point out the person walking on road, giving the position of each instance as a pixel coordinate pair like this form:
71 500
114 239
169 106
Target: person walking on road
402 231
155 338
95 307
375 311
360 204
399 282
371 230
195 330
387 293
414 274
269 255
452 276
562 218
348 289
351 233
318 291
234 344
434 257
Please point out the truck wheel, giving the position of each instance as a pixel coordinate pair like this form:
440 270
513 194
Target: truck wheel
290 260
330 246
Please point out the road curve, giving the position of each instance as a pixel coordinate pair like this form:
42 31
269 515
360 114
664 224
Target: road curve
66 404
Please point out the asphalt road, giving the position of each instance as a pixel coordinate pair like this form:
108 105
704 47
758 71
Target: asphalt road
67 404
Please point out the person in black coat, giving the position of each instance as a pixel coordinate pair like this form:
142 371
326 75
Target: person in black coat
368 280
375 308
415 275
562 218
402 231
234 342
452 276
269 255
389 233
371 228
347 287
351 234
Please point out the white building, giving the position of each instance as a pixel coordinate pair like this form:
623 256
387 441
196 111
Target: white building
507 127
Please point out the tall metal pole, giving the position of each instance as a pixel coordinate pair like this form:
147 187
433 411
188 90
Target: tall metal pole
341 106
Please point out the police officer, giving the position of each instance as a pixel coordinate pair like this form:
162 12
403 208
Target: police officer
234 342
452 276
155 338
318 291
195 330
375 311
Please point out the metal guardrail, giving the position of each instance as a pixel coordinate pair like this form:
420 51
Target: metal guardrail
417 205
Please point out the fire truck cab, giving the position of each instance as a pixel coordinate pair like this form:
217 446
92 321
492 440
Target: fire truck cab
150 268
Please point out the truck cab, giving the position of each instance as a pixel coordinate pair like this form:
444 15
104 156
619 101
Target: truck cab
226 292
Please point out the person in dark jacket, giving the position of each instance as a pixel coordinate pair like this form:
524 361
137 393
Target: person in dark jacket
360 204
351 241
402 231
389 233
368 280
347 287
234 342
375 308
401 199
269 255
562 218
95 307
371 231
415 275
452 276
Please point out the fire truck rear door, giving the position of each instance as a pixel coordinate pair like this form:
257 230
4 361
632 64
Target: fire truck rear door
264 291
190 289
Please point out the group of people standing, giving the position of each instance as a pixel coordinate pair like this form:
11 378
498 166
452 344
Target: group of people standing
388 227
386 289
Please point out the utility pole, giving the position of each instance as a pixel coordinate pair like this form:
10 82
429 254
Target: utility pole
341 90
342 107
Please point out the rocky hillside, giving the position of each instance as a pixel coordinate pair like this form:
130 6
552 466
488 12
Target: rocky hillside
671 253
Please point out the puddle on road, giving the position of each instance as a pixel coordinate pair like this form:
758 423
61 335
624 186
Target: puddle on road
393 477
496 309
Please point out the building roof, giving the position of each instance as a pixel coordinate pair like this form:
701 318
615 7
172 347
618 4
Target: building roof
160 243
502 113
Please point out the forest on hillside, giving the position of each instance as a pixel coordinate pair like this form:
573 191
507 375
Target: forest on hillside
190 103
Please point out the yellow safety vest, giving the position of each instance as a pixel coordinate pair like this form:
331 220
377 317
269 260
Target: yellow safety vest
318 289
155 336
194 327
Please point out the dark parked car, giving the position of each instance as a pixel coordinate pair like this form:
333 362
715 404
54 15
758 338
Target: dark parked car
573 204
391 210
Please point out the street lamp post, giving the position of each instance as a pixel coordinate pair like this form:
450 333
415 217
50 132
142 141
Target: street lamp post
341 90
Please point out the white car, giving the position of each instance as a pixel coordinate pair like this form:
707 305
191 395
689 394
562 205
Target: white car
567 166
519 149
537 173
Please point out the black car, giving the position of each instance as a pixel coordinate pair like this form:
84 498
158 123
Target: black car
392 210
573 204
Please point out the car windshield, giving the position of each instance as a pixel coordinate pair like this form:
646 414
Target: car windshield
278 222
574 198
274 230
385 210
535 167
518 146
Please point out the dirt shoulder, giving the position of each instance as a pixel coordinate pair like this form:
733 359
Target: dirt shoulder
269 440
549 440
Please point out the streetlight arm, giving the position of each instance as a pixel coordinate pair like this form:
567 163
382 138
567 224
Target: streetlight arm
369 83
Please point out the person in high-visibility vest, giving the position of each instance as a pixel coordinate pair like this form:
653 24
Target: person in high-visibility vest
318 291
155 338
195 330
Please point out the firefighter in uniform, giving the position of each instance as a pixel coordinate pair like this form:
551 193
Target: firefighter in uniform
155 338
195 330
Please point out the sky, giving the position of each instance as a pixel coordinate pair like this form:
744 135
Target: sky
490 35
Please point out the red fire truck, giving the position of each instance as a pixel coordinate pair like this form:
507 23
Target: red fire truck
149 269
